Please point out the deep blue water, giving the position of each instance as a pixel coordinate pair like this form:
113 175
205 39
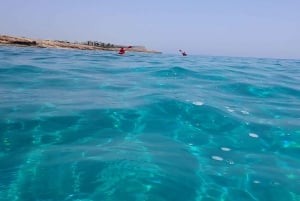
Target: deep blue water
95 126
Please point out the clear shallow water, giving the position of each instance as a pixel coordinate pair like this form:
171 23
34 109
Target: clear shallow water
90 126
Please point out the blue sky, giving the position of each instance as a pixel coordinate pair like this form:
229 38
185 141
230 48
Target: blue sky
256 28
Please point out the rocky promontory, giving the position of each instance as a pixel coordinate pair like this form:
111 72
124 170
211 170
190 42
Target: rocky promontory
29 42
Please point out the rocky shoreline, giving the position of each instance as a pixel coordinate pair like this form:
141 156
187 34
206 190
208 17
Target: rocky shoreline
29 42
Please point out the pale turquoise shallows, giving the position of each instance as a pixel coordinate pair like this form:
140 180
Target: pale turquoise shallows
96 126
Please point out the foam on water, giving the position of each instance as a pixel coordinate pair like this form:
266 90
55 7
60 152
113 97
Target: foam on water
89 126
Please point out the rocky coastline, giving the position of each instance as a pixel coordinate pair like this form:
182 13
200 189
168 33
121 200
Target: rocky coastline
29 42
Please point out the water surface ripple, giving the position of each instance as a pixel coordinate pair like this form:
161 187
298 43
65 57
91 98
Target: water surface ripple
90 126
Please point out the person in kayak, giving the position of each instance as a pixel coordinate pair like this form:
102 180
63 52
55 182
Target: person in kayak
122 50
183 53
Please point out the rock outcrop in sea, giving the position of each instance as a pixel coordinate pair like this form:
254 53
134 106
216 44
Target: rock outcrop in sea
22 41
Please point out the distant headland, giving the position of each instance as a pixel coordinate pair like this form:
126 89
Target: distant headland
88 45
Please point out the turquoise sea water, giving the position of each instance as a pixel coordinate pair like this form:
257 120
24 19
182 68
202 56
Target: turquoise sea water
95 126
